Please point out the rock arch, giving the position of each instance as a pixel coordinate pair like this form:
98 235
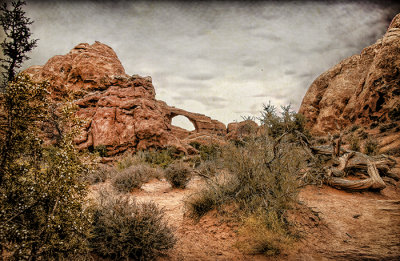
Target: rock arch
202 123
175 116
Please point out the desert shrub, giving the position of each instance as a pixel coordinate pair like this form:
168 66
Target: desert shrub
133 177
124 228
262 182
100 174
164 157
178 174
261 172
287 122
354 142
218 190
129 159
202 202
370 147
101 150
265 172
207 168
209 152
263 233
195 144
42 212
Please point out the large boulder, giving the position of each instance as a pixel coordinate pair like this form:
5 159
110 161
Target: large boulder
121 111
363 89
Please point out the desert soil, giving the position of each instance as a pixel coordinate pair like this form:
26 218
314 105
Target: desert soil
333 225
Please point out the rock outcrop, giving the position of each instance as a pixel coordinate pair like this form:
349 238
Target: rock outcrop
121 111
363 89
239 130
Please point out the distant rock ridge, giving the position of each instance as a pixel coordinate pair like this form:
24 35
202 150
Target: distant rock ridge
121 111
363 89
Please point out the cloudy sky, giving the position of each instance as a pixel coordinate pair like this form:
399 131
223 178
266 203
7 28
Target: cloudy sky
223 59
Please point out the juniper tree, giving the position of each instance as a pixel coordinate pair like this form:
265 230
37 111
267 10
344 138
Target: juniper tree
17 42
42 212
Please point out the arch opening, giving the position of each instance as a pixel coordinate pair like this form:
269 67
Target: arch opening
183 122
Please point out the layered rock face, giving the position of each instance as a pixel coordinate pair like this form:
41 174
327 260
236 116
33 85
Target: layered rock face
121 111
363 89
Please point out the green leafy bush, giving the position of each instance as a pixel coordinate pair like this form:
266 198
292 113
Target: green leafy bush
178 174
126 229
42 211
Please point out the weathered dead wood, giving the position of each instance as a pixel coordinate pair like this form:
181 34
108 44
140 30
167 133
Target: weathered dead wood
344 160
350 161
374 181
360 161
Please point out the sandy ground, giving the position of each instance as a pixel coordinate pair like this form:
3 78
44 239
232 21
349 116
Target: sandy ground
333 225
208 239
355 226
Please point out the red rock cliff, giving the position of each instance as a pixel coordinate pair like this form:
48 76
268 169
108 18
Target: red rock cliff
121 110
362 89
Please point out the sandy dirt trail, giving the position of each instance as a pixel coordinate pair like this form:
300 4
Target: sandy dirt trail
341 226
208 239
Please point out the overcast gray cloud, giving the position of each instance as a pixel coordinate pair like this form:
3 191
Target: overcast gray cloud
222 59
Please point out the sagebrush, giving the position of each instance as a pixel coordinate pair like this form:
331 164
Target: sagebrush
133 177
178 174
124 228
261 181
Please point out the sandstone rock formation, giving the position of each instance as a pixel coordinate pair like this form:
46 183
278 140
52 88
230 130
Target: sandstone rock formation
363 89
121 111
238 130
